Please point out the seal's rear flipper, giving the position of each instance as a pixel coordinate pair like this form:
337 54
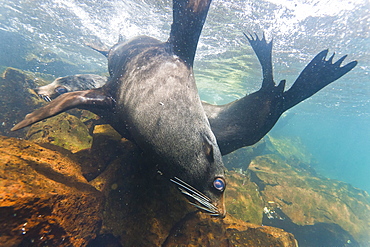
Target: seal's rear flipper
188 20
263 51
88 100
317 74
245 121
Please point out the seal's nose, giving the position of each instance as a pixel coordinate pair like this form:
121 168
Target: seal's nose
223 213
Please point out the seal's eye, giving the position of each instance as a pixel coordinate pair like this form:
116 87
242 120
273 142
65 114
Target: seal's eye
219 184
61 90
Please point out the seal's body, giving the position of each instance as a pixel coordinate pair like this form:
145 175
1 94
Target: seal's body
151 98
157 102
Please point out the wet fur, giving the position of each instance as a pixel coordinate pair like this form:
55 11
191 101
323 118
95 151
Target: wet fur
152 99
158 104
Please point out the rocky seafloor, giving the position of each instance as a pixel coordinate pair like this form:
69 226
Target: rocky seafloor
69 182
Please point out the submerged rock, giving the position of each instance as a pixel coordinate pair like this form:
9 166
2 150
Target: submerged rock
63 130
16 99
281 190
308 200
243 200
144 209
107 145
197 229
44 199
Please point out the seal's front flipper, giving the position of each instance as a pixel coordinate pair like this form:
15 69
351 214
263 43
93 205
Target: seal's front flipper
92 100
188 20
317 74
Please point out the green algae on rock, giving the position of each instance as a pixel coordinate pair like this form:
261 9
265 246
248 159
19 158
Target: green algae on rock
308 199
17 99
286 184
289 148
277 181
243 200
64 130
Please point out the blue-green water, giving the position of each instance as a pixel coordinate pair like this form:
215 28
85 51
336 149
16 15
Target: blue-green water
339 144
334 124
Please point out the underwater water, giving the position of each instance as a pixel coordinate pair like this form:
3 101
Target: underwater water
334 124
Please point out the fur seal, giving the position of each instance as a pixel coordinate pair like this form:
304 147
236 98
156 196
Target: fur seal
245 121
70 83
152 99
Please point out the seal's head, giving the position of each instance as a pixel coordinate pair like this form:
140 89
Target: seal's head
67 84
204 184
53 90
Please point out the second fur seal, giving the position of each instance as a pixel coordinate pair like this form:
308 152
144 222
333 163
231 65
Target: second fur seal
152 99
70 83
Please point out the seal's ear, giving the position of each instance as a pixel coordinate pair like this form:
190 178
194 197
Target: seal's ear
208 149
99 48
88 100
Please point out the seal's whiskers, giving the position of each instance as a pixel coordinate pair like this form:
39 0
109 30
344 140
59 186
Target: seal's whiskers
203 208
45 97
204 201
188 187
200 200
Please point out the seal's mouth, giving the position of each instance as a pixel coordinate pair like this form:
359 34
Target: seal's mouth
201 201
43 95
